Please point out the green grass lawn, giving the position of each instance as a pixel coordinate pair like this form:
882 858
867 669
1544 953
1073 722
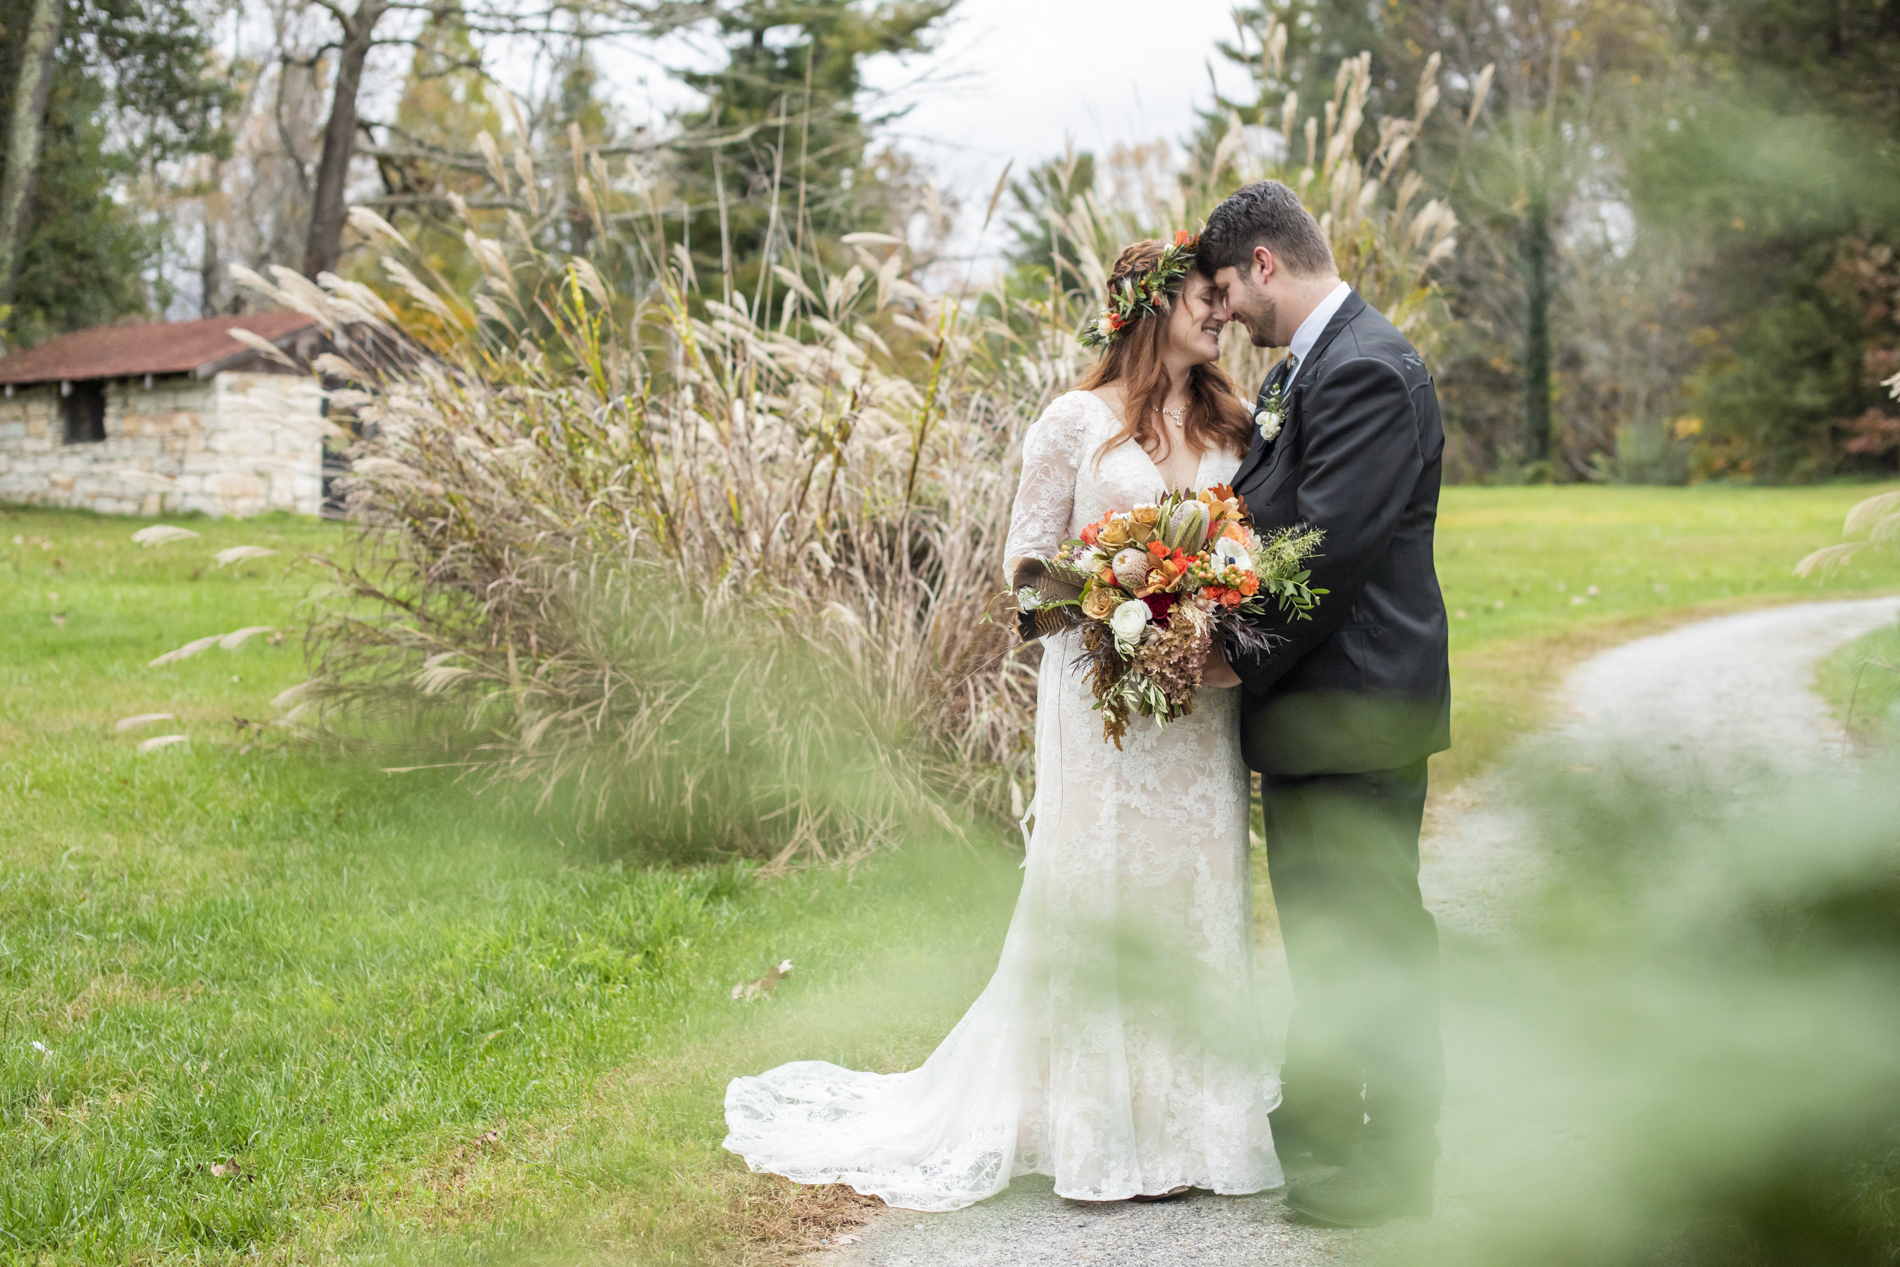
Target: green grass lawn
257 1000
254 998
1862 682
1537 579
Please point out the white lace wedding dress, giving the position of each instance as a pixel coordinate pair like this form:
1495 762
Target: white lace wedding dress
1117 1046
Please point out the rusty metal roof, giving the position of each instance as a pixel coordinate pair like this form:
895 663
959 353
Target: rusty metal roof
165 347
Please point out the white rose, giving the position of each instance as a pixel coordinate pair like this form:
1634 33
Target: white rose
1230 553
1129 621
1269 421
1090 560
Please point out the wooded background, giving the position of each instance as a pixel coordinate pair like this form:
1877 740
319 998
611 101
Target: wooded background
1677 221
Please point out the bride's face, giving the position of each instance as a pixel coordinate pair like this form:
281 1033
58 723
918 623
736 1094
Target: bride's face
1200 311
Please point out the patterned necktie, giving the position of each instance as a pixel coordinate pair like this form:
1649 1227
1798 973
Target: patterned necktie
1292 366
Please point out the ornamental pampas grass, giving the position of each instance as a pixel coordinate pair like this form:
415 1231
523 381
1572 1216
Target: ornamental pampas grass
705 567
704 579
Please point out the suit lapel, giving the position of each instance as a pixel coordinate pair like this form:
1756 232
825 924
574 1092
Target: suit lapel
1261 447
1271 454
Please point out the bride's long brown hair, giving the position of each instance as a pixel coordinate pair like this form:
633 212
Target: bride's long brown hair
1214 416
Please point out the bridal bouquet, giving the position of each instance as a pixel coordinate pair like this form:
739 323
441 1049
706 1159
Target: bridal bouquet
1153 587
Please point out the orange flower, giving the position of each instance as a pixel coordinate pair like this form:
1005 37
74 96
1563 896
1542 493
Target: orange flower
1088 535
1159 549
1249 585
1107 576
1232 532
1182 237
1232 598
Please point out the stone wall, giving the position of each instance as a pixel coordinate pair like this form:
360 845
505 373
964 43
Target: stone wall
238 443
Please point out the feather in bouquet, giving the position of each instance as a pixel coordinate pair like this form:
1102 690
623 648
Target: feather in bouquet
1152 588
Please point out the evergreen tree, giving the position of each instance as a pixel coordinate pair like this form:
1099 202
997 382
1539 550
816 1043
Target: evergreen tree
775 165
134 84
1051 188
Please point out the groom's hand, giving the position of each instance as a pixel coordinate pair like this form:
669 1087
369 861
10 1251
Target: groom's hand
1215 671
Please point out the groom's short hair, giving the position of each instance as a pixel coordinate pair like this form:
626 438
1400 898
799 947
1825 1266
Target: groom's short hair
1265 213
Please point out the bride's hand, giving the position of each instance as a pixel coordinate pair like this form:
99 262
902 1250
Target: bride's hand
1215 671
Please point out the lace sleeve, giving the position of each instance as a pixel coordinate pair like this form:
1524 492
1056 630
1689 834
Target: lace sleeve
1039 521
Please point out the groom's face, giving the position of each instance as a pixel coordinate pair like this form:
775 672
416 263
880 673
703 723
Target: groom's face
1250 296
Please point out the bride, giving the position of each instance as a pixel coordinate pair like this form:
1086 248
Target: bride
1115 1048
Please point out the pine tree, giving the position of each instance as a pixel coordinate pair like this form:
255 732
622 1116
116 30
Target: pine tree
133 84
775 166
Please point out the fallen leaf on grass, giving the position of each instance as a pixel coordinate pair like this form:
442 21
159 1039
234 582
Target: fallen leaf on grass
139 719
162 741
763 987
159 534
237 554
481 1143
59 618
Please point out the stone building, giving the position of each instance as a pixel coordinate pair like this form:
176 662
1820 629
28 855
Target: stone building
174 416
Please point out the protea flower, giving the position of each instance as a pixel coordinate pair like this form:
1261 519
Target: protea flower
1132 567
1187 526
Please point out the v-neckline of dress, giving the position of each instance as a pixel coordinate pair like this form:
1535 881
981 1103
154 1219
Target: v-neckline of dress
1200 463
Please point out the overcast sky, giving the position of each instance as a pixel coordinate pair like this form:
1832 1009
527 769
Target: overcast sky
1012 80
1017 79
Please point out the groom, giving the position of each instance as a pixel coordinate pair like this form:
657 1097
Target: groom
1340 716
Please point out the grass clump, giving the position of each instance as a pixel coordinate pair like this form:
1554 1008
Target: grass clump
1862 682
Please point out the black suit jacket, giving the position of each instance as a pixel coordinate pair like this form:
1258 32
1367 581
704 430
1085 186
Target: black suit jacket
1365 684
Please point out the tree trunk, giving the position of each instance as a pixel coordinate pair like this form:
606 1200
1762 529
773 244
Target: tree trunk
23 141
210 272
1537 295
328 212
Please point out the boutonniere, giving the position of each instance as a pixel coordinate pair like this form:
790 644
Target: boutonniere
1271 416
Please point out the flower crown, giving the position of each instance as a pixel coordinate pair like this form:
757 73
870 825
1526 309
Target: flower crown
1139 295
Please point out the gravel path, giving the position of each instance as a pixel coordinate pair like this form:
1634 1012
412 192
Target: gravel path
1705 700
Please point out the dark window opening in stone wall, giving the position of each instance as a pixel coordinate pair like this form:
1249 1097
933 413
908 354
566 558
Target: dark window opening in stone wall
85 408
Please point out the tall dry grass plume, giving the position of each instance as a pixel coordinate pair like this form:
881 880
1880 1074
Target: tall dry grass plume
712 569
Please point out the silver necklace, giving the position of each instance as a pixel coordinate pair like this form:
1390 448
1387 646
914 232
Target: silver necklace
1175 414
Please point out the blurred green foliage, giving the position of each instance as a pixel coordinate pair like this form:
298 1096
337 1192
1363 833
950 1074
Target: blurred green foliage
1684 1052
1683 197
